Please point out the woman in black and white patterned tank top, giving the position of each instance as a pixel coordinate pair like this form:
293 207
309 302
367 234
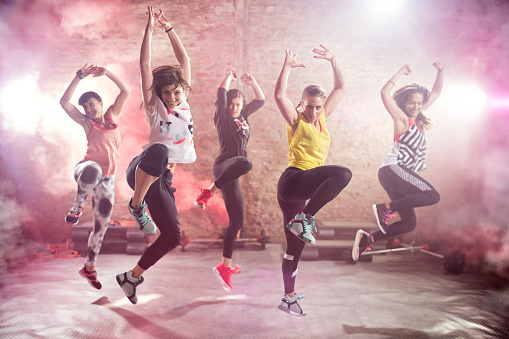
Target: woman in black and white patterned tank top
397 175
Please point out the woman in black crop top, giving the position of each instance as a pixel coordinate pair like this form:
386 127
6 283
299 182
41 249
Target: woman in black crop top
231 121
397 175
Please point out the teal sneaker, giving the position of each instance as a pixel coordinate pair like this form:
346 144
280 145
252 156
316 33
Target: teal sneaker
302 226
291 305
143 220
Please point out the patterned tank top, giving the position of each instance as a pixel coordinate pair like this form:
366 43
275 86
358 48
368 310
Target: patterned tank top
408 149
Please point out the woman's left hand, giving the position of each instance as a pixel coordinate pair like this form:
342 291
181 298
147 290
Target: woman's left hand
163 21
247 79
324 53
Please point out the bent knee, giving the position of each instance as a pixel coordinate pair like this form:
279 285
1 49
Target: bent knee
90 174
157 151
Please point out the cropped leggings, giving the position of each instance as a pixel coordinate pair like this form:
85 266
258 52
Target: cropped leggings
320 185
88 175
227 173
160 201
407 190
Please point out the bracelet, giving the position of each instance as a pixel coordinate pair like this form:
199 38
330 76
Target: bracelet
391 82
80 74
441 70
169 29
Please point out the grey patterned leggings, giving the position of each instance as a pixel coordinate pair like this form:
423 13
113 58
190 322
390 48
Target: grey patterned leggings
88 175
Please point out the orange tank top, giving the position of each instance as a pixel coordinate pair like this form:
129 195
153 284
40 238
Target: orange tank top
103 145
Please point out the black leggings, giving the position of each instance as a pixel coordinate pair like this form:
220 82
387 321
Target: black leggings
160 201
227 173
407 190
320 185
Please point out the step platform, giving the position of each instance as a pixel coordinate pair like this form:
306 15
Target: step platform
118 238
334 240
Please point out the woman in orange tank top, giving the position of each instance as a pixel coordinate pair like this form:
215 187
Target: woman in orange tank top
96 172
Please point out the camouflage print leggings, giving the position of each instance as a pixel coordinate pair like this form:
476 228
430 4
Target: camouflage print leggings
88 175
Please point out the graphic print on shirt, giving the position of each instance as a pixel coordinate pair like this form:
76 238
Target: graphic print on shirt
412 149
242 125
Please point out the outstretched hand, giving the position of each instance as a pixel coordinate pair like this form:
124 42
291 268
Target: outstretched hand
99 71
163 21
88 69
248 79
406 69
292 61
232 75
151 16
439 65
324 53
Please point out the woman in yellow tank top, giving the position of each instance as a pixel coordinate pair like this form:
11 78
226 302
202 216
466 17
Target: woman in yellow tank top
306 177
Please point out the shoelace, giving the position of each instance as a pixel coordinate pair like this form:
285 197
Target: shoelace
309 225
75 210
301 297
141 215
388 216
236 270
204 196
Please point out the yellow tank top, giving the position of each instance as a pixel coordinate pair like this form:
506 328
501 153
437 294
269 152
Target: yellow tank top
308 147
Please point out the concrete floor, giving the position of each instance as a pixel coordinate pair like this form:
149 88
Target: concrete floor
396 296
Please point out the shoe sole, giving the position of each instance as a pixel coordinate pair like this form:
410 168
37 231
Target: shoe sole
199 206
378 220
70 223
225 285
298 235
355 248
287 310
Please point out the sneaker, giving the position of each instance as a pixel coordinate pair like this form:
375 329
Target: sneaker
128 283
363 243
302 226
383 215
224 273
291 305
72 217
91 277
202 199
143 220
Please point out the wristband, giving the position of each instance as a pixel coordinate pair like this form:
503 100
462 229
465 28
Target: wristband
169 29
80 74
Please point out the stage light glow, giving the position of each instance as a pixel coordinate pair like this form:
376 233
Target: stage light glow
467 100
20 104
385 9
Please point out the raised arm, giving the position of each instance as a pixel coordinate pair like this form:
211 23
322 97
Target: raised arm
249 80
437 86
65 101
178 48
145 67
339 84
399 117
115 109
283 103
228 79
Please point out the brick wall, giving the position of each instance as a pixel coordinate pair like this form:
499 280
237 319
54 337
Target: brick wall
251 36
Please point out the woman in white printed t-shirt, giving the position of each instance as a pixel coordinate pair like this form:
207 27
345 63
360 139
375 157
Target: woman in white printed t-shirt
150 174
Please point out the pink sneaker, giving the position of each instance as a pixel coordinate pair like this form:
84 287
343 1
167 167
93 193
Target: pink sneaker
202 199
224 274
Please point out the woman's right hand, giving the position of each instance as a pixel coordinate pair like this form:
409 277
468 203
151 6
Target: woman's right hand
88 69
292 61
